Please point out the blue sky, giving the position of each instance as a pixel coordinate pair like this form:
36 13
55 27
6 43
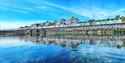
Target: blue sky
16 13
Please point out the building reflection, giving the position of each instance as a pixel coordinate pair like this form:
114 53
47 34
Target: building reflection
74 41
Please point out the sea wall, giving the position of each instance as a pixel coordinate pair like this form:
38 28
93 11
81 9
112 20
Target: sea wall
118 29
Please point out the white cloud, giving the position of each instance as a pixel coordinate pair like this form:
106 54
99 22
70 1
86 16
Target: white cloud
90 12
10 7
22 9
76 11
87 12
42 7
117 12
10 25
14 10
18 23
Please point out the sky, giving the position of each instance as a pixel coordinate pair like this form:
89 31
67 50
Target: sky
17 13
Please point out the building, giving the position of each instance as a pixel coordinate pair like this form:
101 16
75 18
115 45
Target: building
73 20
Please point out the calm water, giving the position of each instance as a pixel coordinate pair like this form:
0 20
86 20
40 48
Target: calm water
69 49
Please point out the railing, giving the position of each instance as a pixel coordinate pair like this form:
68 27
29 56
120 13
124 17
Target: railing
115 25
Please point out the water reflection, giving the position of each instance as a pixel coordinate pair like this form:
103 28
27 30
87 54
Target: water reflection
74 41
68 49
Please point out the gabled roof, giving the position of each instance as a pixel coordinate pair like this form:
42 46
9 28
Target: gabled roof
73 18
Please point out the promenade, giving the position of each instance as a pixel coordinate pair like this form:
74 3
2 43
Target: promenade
72 26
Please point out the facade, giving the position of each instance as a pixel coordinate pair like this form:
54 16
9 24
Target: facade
72 26
74 21
63 22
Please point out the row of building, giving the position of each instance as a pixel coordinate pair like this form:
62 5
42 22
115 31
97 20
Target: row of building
74 21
